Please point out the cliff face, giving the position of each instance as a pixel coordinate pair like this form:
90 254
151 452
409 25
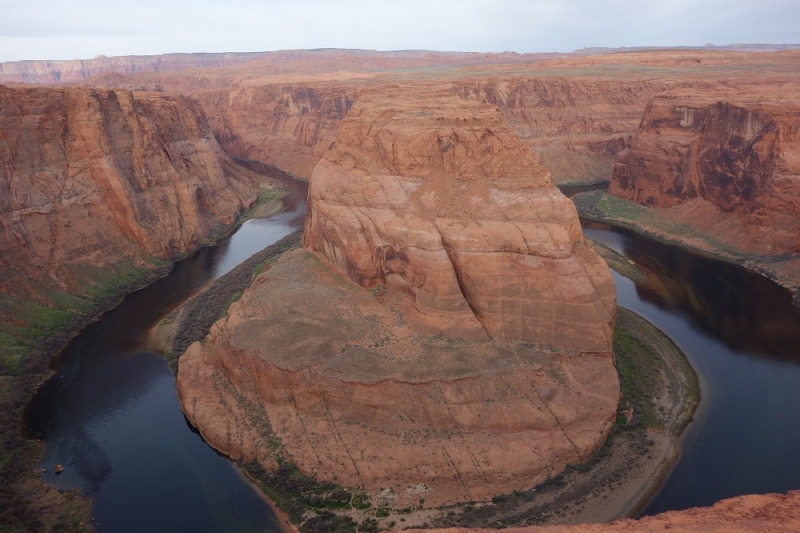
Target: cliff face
67 71
437 197
738 163
574 127
95 177
290 125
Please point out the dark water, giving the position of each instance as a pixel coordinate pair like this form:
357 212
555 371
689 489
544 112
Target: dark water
742 336
111 415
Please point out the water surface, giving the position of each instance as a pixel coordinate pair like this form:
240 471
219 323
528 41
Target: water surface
741 334
110 415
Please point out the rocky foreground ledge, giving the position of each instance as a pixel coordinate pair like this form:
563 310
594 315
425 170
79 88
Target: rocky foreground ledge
752 513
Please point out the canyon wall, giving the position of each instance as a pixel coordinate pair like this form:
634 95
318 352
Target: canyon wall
287 125
92 179
75 70
575 127
730 169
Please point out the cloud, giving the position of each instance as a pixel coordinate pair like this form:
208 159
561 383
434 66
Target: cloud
47 29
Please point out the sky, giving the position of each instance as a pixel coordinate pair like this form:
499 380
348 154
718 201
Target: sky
79 29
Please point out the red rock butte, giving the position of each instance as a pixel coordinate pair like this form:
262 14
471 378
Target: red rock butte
435 196
468 355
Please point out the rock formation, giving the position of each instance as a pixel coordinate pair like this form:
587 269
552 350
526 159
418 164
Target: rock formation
778 513
453 231
732 171
288 125
94 178
575 127
439 199
574 112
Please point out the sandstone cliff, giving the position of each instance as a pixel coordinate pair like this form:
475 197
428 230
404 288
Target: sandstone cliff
743 514
730 170
453 231
288 125
95 181
575 127
575 113
437 197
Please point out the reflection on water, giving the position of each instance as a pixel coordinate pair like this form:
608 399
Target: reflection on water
111 415
742 336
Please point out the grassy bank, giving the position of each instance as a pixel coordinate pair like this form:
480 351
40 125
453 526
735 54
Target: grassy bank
26 348
192 321
598 206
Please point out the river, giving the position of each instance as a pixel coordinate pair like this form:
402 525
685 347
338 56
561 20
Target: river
741 334
110 414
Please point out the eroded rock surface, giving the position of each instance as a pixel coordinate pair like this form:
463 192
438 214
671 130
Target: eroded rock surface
575 111
437 197
288 125
309 367
472 355
731 170
91 178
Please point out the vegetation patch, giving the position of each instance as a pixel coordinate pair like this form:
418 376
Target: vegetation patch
621 264
193 320
37 321
599 206
659 393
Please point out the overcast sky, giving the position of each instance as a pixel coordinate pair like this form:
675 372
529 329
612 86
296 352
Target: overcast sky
49 29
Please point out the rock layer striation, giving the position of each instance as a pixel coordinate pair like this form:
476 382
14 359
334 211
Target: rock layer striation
438 198
92 178
472 355
731 170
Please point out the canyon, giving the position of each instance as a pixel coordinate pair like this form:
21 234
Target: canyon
100 191
446 336
575 112
98 183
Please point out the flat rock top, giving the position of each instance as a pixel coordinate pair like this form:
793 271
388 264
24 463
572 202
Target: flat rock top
300 315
